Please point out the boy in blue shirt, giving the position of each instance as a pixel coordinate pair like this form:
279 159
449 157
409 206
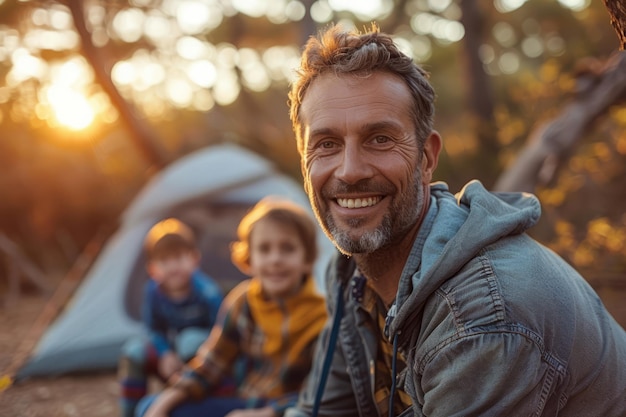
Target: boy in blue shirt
180 305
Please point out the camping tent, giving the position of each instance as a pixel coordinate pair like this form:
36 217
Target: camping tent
210 189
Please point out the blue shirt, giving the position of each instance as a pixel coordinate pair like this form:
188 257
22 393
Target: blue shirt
165 317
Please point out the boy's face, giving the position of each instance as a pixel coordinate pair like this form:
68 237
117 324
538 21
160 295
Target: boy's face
277 258
173 271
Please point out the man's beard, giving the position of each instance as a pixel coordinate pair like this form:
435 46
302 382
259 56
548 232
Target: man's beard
402 215
369 241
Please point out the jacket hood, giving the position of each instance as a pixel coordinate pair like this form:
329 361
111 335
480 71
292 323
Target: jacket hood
454 230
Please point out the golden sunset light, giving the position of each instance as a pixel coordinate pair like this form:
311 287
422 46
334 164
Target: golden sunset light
71 108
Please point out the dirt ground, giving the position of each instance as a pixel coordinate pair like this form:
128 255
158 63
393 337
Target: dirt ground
88 395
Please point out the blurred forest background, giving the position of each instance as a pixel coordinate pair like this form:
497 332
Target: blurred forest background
98 95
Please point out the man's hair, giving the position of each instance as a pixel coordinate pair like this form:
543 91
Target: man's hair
168 237
341 52
281 211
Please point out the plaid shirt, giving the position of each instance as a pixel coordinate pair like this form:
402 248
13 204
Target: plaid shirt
276 340
377 313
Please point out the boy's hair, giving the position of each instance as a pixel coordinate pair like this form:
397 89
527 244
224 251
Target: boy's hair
281 211
168 237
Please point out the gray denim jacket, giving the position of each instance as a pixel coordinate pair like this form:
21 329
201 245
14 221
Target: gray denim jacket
491 323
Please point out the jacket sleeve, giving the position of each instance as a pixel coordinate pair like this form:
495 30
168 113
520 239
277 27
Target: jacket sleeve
338 399
492 373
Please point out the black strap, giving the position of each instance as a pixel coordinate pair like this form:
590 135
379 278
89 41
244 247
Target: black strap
332 342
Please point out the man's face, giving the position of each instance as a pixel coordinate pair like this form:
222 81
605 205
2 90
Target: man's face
363 170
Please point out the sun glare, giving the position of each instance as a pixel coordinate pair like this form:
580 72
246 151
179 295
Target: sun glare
70 108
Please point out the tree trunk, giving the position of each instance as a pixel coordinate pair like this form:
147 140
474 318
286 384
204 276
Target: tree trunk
478 97
307 25
141 133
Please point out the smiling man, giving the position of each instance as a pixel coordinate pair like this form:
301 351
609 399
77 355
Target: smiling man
442 304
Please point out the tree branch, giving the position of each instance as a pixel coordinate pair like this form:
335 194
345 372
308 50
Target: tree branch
141 134
550 143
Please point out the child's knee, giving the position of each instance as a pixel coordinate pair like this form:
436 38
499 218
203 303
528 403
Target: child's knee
189 340
135 350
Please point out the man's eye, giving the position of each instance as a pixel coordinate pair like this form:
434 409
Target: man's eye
381 139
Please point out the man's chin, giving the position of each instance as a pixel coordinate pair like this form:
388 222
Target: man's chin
346 245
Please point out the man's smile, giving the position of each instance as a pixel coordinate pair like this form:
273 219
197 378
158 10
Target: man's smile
358 202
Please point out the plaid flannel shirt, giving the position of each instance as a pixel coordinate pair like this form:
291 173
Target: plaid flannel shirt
275 339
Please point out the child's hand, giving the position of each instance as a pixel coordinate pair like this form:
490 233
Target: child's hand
169 365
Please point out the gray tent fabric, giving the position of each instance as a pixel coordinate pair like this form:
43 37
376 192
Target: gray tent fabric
210 189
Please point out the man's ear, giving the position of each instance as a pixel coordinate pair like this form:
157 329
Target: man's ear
430 159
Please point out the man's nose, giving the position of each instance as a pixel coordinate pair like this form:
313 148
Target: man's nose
354 165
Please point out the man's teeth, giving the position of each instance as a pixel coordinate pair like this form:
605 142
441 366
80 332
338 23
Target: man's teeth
357 202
